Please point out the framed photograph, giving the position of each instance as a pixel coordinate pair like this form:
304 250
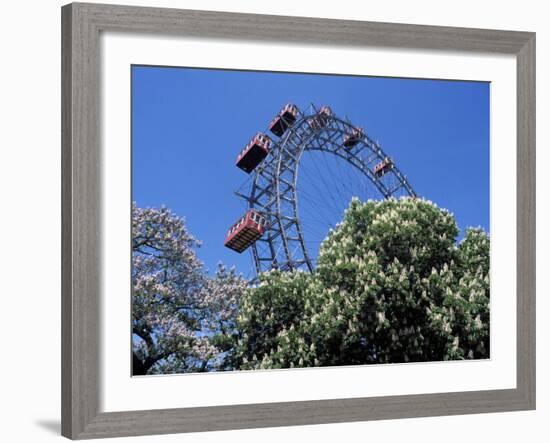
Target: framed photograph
274 221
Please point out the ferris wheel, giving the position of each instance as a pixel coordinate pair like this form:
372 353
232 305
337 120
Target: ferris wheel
300 182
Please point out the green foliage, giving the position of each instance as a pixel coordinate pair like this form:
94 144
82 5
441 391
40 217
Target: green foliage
391 286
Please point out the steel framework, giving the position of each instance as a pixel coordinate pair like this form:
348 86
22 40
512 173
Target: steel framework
273 189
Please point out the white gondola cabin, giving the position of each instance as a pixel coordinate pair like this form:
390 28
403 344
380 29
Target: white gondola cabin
249 228
284 119
254 152
384 166
352 138
321 119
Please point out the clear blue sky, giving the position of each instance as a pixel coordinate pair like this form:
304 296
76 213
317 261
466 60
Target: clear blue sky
189 124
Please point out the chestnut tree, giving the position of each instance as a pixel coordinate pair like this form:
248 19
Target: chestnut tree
392 285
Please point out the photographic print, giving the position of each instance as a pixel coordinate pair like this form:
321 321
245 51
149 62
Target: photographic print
300 220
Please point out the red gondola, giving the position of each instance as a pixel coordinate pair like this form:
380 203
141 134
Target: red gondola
249 228
282 121
351 139
384 166
321 119
253 153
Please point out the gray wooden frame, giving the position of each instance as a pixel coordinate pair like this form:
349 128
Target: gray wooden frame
81 206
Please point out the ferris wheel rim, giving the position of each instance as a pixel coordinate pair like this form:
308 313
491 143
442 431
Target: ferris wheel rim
279 187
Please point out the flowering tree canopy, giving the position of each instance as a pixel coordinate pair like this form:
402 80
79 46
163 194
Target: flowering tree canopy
183 319
391 285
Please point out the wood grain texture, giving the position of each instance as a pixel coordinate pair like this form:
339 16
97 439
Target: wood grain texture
66 223
301 30
526 221
81 216
81 221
